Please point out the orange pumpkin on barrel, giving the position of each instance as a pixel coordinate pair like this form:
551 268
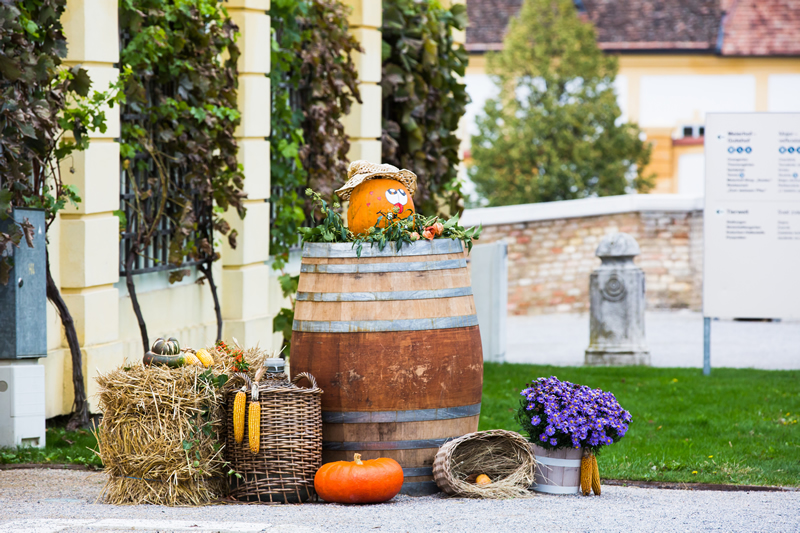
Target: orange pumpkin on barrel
375 191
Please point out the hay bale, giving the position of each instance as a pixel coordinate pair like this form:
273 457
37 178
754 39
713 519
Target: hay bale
504 456
160 436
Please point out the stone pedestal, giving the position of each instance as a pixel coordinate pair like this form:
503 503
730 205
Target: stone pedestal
617 304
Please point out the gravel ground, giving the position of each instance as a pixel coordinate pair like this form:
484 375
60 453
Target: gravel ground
674 338
42 501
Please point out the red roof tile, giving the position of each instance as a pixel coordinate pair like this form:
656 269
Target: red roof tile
751 27
762 28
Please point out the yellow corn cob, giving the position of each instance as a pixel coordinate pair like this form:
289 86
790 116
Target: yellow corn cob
238 415
191 359
254 421
205 357
595 476
586 474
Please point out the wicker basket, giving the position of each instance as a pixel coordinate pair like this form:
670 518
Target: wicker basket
290 451
504 456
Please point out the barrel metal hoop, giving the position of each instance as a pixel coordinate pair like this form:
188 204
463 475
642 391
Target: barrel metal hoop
346 249
552 461
385 445
417 415
554 489
372 326
382 296
419 471
371 268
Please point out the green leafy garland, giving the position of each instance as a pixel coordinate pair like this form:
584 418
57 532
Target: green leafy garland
180 58
389 228
423 97
314 82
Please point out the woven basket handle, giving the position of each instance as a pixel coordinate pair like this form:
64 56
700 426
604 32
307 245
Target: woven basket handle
308 376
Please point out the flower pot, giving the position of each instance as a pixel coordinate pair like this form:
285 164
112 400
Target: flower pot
557 471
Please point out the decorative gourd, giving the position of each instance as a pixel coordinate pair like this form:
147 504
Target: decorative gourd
205 357
191 359
166 353
375 198
483 479
172 361
372 481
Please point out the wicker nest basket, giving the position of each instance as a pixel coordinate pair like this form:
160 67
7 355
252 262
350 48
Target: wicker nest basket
290 450
504 456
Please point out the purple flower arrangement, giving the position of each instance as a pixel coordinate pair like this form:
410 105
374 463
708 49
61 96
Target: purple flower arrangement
559 414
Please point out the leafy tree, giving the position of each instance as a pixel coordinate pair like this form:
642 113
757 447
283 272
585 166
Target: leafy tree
424 97
553 133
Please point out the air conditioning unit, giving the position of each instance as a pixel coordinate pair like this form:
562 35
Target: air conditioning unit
22 404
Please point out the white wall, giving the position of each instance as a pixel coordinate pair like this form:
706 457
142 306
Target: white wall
666 100
784 93
691 174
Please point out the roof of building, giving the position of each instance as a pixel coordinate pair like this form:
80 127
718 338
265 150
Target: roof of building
749 27
762 28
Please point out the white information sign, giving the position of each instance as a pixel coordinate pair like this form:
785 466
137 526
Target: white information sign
751 224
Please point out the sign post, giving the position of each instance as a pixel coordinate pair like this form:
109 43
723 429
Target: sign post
751 219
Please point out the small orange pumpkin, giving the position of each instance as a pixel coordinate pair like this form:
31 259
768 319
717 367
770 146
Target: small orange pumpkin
375 198
371 481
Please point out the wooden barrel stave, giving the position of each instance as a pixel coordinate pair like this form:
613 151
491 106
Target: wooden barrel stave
405 369
394 343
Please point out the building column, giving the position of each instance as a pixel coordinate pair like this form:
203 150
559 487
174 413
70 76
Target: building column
245 275
88 243
363 124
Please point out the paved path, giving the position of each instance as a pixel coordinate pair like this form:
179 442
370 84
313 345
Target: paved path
675 339
60 501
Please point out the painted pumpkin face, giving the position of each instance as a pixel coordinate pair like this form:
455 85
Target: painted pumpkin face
375 198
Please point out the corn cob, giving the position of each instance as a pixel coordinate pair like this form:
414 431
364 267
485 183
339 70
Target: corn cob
586 473
595 476
205 357
254 421
191 359
238 415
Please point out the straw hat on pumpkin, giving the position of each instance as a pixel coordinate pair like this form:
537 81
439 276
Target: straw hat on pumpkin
361 171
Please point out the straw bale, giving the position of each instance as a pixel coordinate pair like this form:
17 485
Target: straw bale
160 436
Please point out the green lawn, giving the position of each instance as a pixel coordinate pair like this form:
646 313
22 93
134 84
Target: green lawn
735 426
62 447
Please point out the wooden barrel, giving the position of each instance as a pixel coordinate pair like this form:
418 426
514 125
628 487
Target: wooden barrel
558 471
392 338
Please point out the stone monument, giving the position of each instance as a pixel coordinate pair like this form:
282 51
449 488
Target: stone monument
617 302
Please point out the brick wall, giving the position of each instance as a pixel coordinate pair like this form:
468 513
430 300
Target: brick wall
550 260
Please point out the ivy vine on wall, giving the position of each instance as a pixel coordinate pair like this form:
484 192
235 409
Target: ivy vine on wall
314 83
423 97
177 147
46 112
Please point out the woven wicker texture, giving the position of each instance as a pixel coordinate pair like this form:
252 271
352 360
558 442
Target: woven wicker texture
361 171
290 450
504 456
